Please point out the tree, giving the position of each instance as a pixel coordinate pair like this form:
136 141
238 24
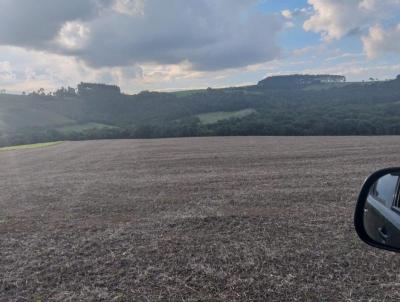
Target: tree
65 92
71 91
41 91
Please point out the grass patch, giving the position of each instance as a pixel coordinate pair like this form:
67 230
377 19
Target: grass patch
30 146
214 117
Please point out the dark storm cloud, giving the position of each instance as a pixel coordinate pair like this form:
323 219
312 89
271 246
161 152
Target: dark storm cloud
209 34
33 23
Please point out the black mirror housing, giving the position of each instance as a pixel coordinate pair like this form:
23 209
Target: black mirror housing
377 217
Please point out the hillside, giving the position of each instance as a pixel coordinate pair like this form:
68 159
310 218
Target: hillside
292 105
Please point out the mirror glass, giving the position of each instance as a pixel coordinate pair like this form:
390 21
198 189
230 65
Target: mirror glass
381 217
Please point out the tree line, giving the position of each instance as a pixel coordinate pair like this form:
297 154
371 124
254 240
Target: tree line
352 109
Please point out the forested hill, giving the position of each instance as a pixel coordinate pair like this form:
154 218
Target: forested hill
295 105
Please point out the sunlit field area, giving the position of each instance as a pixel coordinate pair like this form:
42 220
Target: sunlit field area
199 219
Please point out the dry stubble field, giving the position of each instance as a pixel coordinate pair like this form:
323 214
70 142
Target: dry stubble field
196 219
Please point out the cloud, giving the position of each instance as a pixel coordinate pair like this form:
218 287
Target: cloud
32 69
359 71
313 50
345 56
35 23
73 35
129 7
209 35
6 73
287 14
334 19
28 70
380 41
294 13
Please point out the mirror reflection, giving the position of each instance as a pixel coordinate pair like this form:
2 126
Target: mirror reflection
382 211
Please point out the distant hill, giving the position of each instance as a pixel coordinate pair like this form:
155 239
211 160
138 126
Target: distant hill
284 105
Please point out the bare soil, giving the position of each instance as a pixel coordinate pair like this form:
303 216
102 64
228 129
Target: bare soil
194 219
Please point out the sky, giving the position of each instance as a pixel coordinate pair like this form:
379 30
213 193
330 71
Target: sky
168 45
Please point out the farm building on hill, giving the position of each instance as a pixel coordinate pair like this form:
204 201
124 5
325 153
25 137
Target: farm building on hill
300 80
92 88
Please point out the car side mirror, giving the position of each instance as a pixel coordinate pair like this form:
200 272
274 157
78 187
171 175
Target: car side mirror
377 214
